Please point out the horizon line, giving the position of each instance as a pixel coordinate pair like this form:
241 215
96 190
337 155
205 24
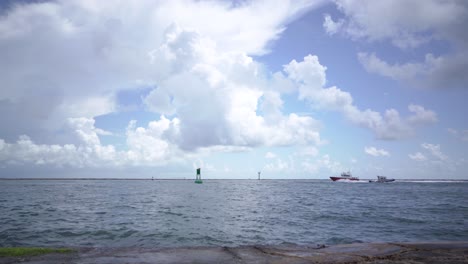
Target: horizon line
189 179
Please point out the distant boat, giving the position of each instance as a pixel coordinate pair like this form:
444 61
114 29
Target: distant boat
382 179
344 176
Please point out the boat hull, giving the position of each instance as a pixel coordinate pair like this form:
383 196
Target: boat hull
333 178
388 180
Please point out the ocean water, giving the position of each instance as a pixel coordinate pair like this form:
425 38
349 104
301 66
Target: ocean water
172 213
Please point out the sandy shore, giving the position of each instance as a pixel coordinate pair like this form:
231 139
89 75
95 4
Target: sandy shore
439 252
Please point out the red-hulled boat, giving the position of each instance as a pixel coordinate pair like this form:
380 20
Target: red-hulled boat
344 176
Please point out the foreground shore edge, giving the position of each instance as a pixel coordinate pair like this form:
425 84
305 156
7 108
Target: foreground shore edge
421 252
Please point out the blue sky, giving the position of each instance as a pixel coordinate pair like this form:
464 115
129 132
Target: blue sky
295 89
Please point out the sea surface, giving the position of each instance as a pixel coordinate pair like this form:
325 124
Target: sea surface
173 213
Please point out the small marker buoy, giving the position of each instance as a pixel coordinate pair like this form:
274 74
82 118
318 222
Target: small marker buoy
198 179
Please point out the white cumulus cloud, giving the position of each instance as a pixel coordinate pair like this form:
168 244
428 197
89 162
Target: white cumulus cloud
207 90
434 150
439 72
69 58
460 134
144 146
428 21
310 78
225 90
418 156
373 151
330 26
279 165
390 19
324 162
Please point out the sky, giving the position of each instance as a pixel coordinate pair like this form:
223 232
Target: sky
294 89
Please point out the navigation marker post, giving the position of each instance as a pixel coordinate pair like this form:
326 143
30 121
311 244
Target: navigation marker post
198 179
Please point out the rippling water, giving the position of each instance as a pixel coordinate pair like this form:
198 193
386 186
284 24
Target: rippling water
227 212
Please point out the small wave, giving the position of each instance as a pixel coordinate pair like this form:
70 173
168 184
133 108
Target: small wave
128 233
70 233
103 233
342 240
173 213
406 220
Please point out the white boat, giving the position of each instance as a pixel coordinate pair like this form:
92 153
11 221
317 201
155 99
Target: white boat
344 176
382 179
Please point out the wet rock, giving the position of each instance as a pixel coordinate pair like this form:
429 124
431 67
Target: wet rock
375 253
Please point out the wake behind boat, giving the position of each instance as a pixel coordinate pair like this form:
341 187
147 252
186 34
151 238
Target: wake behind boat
382 179
344 176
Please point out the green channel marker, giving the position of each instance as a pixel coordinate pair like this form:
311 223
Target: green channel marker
198 179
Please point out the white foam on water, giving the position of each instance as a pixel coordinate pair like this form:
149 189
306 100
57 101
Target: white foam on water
351 181
435 181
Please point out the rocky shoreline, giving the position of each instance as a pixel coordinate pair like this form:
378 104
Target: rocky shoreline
430 252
